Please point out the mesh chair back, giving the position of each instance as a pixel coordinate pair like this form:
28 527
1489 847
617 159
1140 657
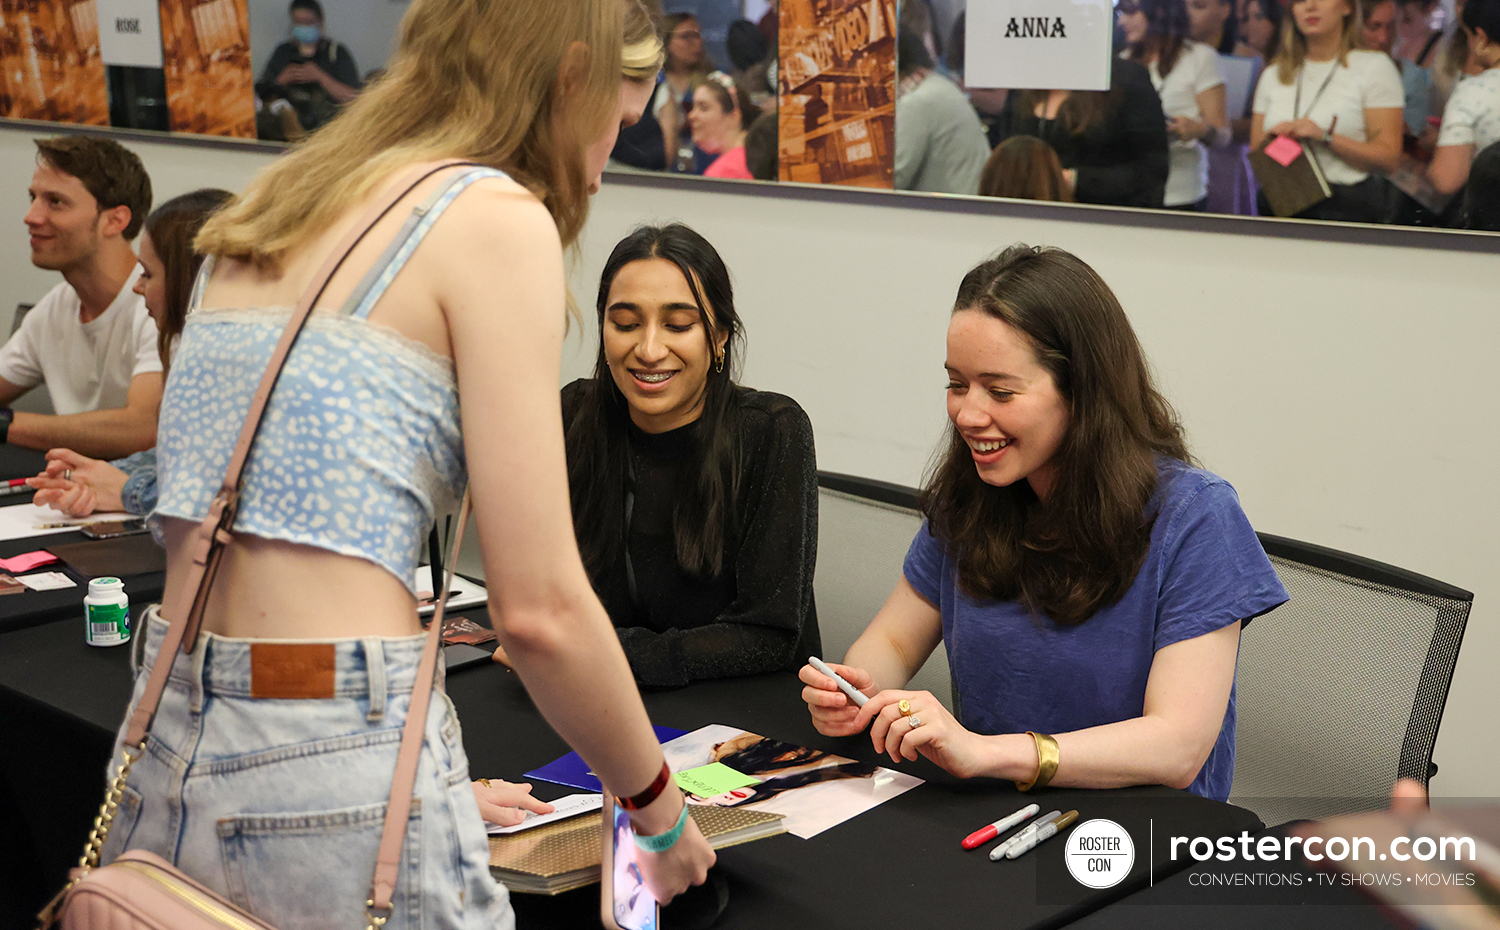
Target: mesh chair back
864 530
1341 689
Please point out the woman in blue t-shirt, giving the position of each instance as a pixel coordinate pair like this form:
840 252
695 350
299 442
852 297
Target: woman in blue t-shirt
1088 582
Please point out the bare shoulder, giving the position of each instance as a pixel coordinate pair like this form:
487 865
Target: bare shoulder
497 211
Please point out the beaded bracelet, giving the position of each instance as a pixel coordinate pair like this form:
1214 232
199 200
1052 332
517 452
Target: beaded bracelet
663 841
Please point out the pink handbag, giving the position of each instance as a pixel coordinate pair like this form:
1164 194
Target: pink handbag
142 891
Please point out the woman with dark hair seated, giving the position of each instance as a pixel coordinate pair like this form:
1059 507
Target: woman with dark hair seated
1088 582
1112 144
695 500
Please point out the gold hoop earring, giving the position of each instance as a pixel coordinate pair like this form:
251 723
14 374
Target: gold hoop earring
719 363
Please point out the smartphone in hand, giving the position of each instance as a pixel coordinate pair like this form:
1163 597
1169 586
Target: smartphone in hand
624 901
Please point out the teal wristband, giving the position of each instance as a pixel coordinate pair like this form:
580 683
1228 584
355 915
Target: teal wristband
663 841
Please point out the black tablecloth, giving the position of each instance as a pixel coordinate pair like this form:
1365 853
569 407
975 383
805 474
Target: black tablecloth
898 865
31 608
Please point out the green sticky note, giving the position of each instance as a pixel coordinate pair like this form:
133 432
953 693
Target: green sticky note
714 778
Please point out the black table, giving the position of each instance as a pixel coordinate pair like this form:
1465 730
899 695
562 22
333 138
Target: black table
32 608
898 865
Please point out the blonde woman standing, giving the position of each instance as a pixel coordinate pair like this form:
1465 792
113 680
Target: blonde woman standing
456 291
1342 102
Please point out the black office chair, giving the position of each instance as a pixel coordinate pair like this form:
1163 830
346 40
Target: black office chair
864 529
21 311
1341 689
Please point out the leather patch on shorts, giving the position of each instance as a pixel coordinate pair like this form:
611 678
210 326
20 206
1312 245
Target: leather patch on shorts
291 670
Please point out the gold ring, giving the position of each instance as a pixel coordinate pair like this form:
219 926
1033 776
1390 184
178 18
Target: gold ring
485 782
904 707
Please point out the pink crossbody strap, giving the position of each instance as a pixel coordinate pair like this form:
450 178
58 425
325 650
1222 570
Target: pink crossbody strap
184 605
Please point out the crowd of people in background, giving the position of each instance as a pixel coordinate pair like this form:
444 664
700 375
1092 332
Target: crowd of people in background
1396 99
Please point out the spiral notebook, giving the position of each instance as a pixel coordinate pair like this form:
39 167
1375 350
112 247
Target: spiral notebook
565 855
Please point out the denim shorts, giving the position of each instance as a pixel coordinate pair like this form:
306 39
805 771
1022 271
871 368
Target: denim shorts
278 803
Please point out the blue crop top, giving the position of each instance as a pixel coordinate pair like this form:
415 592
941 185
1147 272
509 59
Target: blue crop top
360 447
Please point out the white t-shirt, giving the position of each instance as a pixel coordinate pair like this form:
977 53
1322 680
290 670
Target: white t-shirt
86 366
1472 116
1195 70
1369 82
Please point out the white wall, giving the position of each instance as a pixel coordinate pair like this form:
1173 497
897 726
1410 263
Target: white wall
1342 380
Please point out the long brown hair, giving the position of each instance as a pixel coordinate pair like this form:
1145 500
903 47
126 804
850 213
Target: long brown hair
482 81
172 228
1291 50
1081 109
1024 168
1081 550
1167 28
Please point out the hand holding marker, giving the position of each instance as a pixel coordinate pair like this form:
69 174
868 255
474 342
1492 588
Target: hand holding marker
854 694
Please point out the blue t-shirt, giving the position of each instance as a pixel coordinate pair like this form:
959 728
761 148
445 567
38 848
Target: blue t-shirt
1205 570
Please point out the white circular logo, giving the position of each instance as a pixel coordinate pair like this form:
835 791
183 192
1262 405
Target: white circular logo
1099 853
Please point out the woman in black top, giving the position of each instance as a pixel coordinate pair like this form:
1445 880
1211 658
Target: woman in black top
694 499
1112 144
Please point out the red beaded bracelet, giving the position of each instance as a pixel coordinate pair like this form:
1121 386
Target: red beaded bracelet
663 778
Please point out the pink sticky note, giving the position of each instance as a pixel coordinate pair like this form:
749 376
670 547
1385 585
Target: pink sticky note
1285 150
26 561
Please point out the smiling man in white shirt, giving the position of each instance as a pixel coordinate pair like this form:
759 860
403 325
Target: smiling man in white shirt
90 339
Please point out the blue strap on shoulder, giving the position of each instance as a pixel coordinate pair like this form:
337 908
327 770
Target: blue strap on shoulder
417 225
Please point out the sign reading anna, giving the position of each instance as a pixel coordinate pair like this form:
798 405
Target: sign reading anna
1038 44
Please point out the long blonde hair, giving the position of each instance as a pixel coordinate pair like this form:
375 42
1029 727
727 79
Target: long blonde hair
473 79
1291 50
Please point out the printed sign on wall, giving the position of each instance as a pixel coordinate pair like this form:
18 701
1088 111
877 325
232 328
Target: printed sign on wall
210 87
130 33
837 92
1039 44
50 67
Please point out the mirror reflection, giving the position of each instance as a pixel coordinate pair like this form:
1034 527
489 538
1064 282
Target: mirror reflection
1378 111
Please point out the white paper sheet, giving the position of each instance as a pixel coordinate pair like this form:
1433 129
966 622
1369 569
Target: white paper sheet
570 806
23 520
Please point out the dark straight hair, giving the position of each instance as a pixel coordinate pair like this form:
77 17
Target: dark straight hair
598 437
1166 33
172 227
1080 550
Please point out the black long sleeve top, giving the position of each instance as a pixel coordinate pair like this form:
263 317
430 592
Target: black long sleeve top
1121 159
758 614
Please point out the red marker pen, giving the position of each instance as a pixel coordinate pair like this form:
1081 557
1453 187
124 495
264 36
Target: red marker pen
985 834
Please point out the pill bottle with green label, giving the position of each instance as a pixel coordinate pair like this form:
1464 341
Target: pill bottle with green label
106 613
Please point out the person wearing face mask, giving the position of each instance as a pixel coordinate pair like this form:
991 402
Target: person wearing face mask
316 74
1088 582
1342 102
695 499
78 485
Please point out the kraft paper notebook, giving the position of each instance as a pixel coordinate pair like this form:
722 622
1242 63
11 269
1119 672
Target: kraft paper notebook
565 855
1289 175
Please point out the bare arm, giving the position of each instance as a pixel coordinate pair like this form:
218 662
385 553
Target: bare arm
1449 169
507 353
1381 150
10 391
890 650
103 434
1187 694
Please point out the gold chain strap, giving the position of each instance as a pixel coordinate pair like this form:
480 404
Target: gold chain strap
106 818
97 836
377 921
